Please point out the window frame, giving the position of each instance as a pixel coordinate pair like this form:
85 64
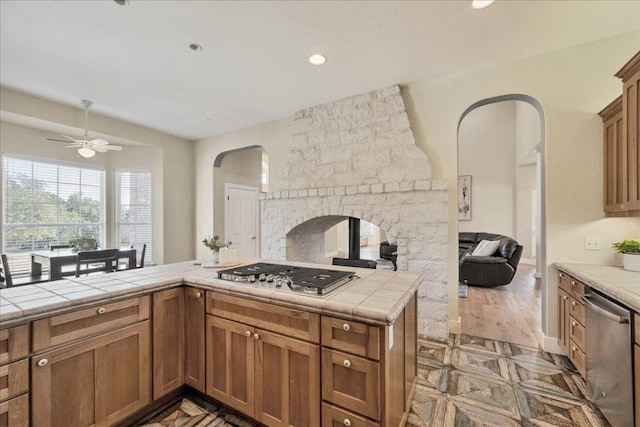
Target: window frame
117 207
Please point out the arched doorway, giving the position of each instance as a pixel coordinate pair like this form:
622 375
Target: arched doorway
508 189
239 175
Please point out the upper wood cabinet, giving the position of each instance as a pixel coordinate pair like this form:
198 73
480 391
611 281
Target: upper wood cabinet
621 147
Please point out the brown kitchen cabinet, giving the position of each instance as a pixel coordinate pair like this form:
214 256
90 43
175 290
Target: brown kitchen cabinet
265 375
194 348
14 376
168 341
621 145
369 372
95 382
571 329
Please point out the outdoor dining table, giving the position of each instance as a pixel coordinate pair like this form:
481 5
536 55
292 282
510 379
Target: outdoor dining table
58 258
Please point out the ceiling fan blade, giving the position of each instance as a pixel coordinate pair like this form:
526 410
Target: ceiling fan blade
72 139
99 141
74 146
57 140
112 147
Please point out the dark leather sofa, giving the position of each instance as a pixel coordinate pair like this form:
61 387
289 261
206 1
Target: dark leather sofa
494 270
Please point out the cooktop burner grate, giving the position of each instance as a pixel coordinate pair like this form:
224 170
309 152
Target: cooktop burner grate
315 281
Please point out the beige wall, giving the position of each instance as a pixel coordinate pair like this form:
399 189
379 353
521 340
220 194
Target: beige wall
572 85
27 120
487 152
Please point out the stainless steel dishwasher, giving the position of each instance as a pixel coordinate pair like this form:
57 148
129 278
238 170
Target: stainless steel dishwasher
609 354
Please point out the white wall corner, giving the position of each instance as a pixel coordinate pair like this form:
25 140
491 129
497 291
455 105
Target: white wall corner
550 344
455 326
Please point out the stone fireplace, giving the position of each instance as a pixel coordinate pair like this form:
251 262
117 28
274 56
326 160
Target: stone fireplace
357 157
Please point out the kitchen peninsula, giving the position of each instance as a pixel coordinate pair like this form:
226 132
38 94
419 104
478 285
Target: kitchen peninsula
107 349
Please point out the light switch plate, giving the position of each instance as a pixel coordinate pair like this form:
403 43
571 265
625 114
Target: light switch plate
592 243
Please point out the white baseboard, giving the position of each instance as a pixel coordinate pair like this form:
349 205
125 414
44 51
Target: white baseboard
528 261
455 326
332 254
550 344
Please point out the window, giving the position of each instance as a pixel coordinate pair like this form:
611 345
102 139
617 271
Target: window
47 203
133 217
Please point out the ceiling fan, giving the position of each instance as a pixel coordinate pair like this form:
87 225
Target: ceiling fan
87 148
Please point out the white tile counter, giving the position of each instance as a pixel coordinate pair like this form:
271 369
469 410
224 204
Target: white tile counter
376 296
620 284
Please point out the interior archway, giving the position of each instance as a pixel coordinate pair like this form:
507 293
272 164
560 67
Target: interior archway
536 156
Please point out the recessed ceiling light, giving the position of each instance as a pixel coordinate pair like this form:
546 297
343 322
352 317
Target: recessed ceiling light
195 46
122 2
317 59
481 4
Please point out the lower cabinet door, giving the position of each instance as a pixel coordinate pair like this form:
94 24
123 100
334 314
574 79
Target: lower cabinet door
287 381
230 363
351 382
194 338
15 412
336 417
99 381
168 341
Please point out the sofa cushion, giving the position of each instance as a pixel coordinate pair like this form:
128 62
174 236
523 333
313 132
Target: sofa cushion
507 247
486 248
467 237
484 260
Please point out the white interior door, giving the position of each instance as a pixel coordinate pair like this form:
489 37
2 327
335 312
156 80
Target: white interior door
241 219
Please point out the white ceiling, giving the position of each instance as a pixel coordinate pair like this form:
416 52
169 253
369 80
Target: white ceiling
134 63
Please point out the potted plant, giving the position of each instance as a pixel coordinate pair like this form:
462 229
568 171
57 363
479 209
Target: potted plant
83 243
630 250
214 243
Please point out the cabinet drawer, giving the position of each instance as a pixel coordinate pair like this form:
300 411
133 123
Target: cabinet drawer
87 322
14 343
336 417
352 337
577 289
576 309
578 358
286 321
14 379
564 282
15 412
351 382
577 333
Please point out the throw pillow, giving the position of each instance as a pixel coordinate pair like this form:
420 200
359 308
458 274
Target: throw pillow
486 248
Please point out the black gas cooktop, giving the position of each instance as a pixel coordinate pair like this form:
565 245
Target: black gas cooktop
313 281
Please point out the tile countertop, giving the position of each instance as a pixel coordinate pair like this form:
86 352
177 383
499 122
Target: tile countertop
616 282
377 296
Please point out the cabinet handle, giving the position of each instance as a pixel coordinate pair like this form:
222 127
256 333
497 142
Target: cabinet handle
573 283
256 336
573 324
573 303
560 274
102 310
198 294
573 348
247 334
42 362
346 363
564 297
346 326
347 422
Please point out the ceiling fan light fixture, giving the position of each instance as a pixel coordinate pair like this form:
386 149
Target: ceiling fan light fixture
87 153
122 2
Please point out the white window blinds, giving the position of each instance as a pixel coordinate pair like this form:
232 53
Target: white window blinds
133 217
48 203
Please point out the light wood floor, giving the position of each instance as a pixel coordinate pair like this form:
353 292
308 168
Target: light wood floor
507 313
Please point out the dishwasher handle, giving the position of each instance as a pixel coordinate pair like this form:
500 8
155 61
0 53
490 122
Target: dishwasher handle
603 311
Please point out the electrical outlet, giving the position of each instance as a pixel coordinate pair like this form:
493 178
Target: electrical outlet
592 244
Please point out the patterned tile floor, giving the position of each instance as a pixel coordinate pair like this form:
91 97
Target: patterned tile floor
469 381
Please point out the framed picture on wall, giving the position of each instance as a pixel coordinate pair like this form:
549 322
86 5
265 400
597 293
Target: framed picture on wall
464 198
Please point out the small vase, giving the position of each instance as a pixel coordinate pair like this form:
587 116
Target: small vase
216 257
631 262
